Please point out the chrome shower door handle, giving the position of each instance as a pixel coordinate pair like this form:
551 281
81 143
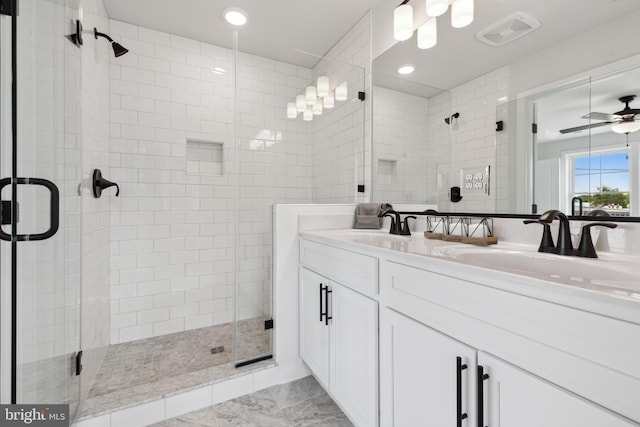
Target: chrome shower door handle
54 210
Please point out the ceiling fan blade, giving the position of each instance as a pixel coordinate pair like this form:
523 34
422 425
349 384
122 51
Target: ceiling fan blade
602 116
585 127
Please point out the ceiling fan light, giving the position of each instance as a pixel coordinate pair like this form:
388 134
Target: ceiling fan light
403 22
626 127
437 7
428 34
461 13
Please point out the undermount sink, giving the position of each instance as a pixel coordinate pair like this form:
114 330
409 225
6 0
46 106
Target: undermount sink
550 266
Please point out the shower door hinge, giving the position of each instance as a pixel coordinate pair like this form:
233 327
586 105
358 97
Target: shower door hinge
8 7
361 96
534 128
360 188
5 212
79 362
268 324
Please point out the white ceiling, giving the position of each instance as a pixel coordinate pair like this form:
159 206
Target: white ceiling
276 29
459 56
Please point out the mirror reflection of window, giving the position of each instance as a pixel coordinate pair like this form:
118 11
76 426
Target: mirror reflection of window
601 180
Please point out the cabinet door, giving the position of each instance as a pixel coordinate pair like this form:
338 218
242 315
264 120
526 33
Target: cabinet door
513 397
354 359
419 375
314 333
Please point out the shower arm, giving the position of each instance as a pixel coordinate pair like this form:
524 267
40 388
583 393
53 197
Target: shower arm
97 34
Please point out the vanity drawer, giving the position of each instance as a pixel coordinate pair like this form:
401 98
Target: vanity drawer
356 271
592 355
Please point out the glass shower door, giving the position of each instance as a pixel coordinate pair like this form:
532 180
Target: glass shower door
41 231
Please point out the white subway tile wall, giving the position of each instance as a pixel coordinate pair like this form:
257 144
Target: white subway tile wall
473 146
400 153
172 234
94 110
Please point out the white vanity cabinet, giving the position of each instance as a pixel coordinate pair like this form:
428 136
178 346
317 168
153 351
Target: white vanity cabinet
426 378
339 326
513 397
525 359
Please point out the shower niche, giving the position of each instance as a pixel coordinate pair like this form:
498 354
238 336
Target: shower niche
205 158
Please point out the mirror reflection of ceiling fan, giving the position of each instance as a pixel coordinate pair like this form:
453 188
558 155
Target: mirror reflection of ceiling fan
623 121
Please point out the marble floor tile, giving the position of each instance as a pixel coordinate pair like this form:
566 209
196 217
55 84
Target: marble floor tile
300 403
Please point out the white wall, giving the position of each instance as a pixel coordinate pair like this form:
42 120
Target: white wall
172 231
400 154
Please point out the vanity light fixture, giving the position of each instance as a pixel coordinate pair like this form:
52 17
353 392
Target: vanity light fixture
301 103
328 101
341 92
292 110
437 7
322 85
406 69
235 16
428 34
307 115
461 15
317 109
403 21
311 95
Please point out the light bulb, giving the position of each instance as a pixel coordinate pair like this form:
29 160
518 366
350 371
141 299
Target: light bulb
403 22
311 95
323 86
317 109
461 13
428 34
328 101
342 92
406 69
235 16
307 116
437 7
301 103
292 110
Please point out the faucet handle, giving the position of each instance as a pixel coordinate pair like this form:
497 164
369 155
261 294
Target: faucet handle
405 225
586 249
546 243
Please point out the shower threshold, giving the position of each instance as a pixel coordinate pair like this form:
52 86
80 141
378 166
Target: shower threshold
144 370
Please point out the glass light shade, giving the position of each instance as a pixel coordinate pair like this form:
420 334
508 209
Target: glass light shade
428 34
328 101
311 95
626 127
307 116
437 7
461 13
403 22
342 92
301 103
292 110
317 109
323 86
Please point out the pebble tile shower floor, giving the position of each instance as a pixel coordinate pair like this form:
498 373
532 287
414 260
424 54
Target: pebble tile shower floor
301 403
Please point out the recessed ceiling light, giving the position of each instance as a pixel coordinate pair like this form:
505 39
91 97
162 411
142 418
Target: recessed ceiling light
235 16
406 69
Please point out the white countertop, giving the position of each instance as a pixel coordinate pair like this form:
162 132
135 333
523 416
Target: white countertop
608 285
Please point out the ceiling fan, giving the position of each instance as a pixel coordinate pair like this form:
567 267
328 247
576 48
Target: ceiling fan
623 121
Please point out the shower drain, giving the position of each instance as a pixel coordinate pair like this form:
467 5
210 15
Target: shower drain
216 350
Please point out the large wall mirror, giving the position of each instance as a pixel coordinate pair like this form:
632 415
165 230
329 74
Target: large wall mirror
464 118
